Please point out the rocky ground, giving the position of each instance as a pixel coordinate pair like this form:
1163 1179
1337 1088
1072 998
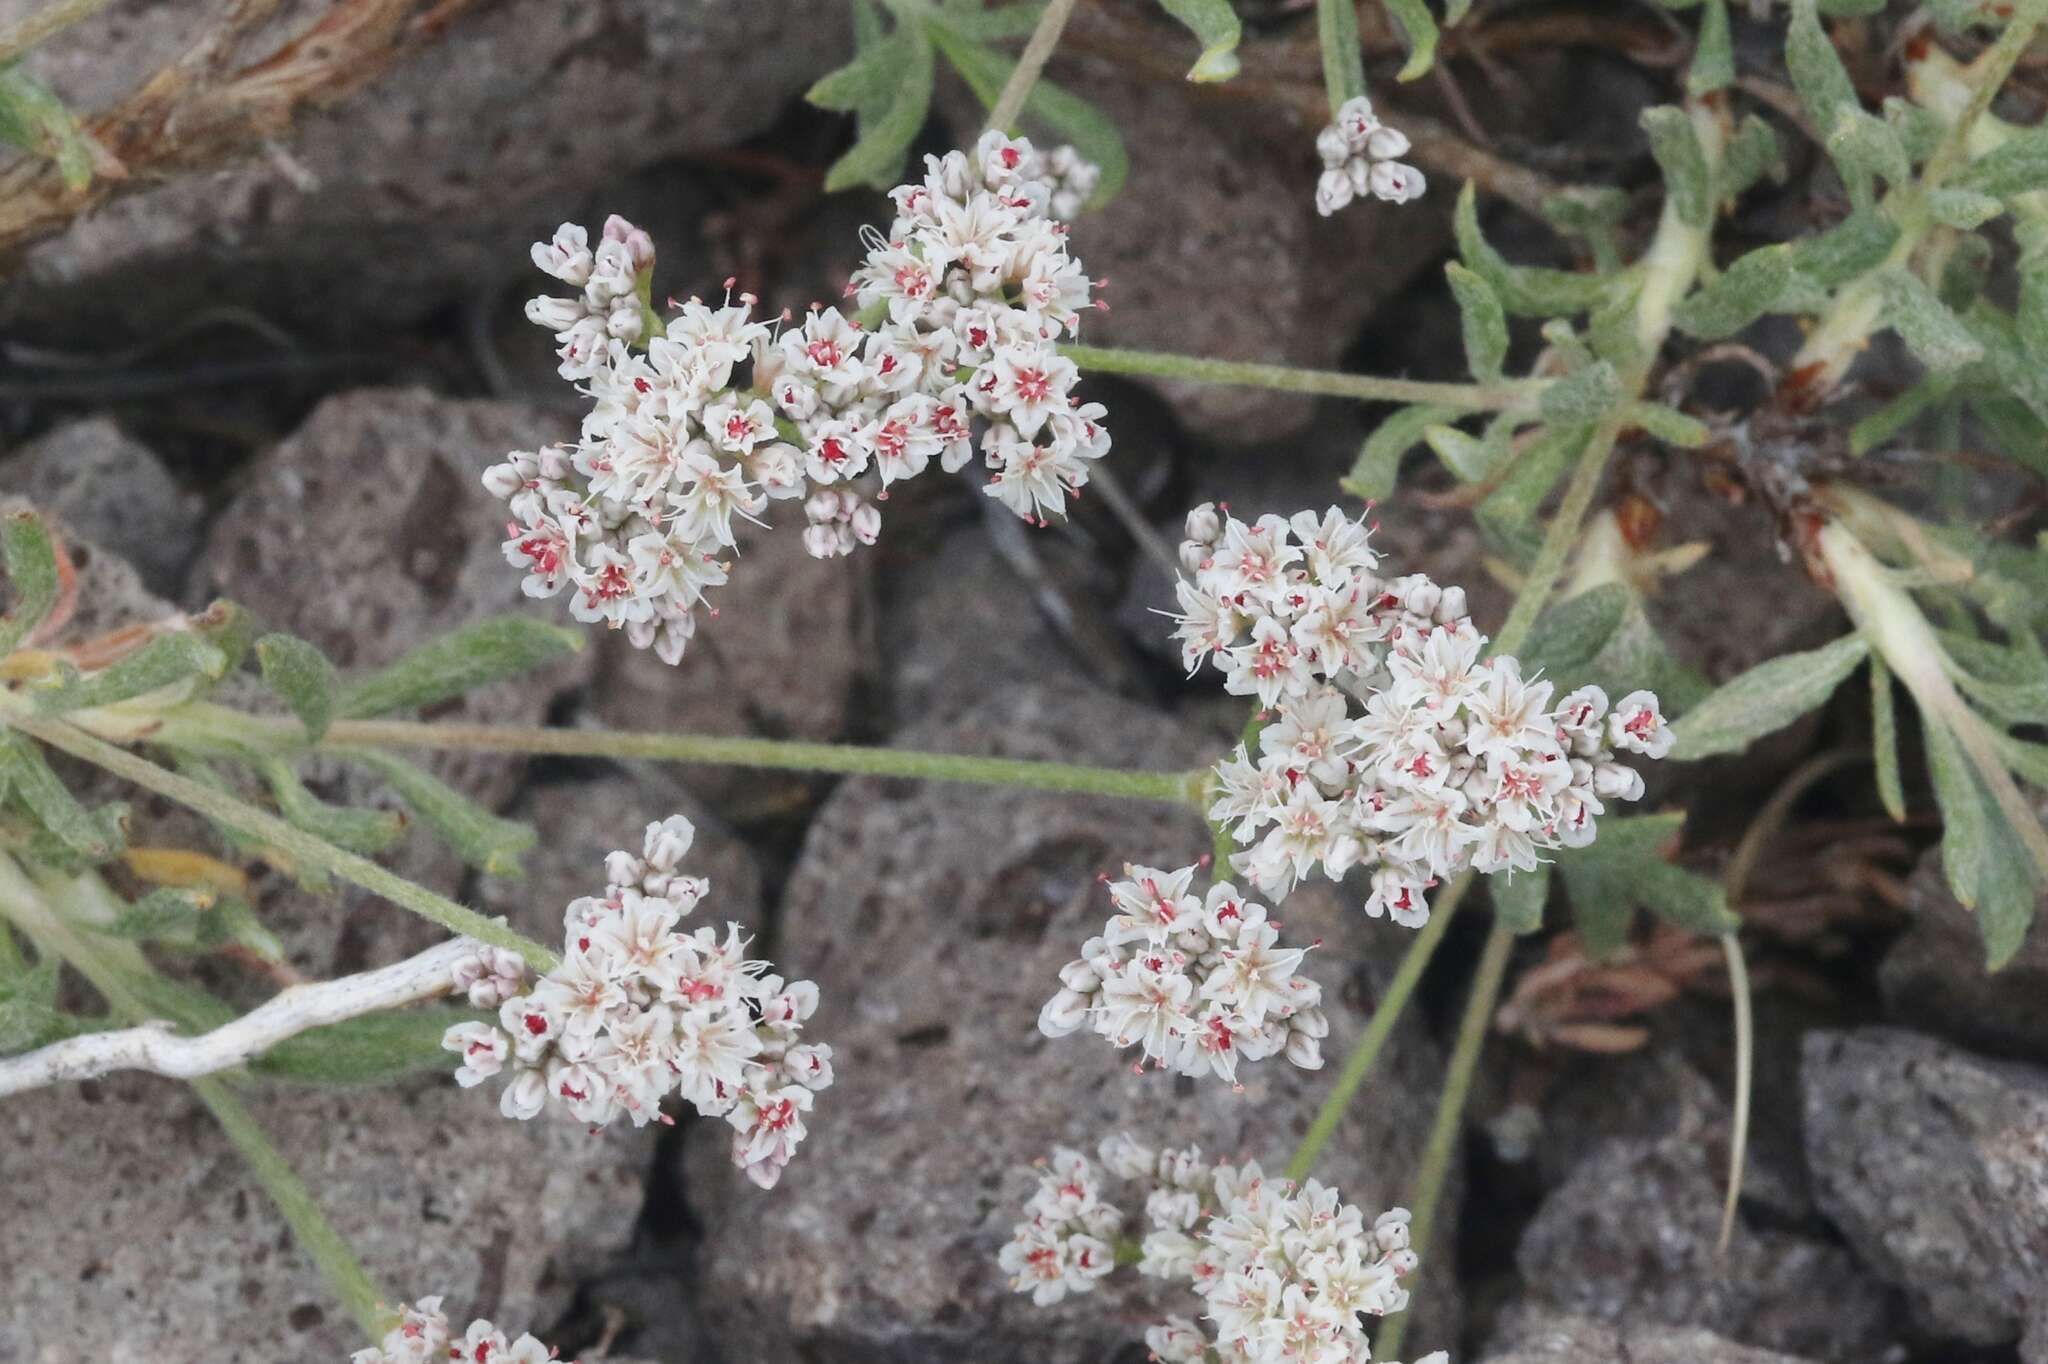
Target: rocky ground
279 384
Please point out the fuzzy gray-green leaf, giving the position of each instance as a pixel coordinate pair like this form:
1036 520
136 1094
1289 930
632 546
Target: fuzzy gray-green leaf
1765 699
473 656
31 559
1215 25
302 678
1482 320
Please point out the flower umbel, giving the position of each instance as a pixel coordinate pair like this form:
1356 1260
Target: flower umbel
640 1009
423 1336
1393 744
1285 1272
1199 982
1360 157
704 419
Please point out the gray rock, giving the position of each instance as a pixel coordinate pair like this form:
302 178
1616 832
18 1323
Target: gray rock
428 184
1934 1165
1630 1237
784 658
112 490
1562 1339
132 1230
934 920
1935 978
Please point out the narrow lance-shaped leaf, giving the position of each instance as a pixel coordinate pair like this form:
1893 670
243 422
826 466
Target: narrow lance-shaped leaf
1214 24
480 838
1866 148
1858 243
1525 291
1420 27
163 662
1093 135
877 157
302 678
1713 52
1817 71
473 656
1754 284
1507 513
1687 178
1378 464
31 559
359 831
1986 865
1624 868
30 781
1584 396
35 120
1571 634
968 19
1936 336
1482 320
1343 56
1884 739
374 1049
2017 166
1670 425
1751 155
868 82
1765 699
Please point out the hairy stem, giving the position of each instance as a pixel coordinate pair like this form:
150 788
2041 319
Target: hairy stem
1450 1110
1038 50
1366 1051
295 843
1509 394
1558 539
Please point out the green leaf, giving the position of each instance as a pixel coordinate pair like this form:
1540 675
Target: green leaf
1884 739
2029 761
1765 699
1525 291
1687 179
970 21
1865 147
1214 24
375 1049
1482 320
165 661
876 158
1895 416
1624 867
1817 71
302 678
1570 635
480 838
1343 55
31 559
1067 114
35 120
164 915
1508 513
30 782
473 656
869 81
1584 396
1965 209
1713 52
1936 336
1592 213
1378 465
359 831
1518 898
1414 18
2017 166
1985 863
1754 284
1920 130
1751 155
1670 425
29 1017
1854 246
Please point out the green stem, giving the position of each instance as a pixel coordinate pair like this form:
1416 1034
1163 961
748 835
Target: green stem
1558 538
1507 395
45 23
1366 1051
1987 75
1038 50
293 842
34 909
330 1250
201 725
1450 1110
1343 54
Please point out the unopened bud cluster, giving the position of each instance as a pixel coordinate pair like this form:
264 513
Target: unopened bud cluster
424 1336
1392 746
1285 1272
639 1009
1197 982
1361 157
706 418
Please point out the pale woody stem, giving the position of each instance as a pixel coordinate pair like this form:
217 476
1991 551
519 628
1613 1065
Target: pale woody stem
1508 395
1038 50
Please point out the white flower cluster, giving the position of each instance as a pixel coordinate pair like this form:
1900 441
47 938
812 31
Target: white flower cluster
424 1336
963 304
1360 157
638 1010
1393 745
1196 981
1285 1272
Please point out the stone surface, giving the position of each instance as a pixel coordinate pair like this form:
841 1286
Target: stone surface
133 1232
112 490
1631 1236
426 185
1545 1338
934 920
1934 977
784 657
1934 1165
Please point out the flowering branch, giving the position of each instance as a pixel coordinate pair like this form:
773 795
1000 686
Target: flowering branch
151 1047
1038 50
296 843
1519 395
